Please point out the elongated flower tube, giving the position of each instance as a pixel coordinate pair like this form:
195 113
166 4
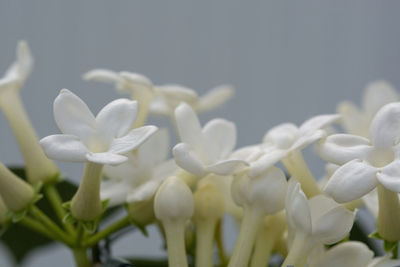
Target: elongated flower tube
173 206
259 196
206 150
3 210
319 220
15 192
356 120
368 164
209 208
38 166
285 142
99 140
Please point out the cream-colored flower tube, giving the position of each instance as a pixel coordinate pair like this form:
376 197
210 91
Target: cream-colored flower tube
173 206
209 208
388 222
86 203
38 166
15 192
3 210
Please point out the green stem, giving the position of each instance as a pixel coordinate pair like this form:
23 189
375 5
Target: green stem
116 226
38 227
56 202
388 222
220 244
53 227
81 258
296 166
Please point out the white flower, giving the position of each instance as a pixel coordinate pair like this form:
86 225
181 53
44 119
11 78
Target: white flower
165 98
102 139
139 178
366 162
348 254
357 120
15 76
206 150
320 218
286 138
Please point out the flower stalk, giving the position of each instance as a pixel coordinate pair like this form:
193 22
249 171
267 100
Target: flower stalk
298 252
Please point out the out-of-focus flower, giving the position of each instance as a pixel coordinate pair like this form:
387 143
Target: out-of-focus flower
287 138
102 139
357 120
206 150
38 166
165 98
138 179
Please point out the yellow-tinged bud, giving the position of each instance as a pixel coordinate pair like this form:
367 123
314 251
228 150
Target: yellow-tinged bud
208 201
15 192
141 212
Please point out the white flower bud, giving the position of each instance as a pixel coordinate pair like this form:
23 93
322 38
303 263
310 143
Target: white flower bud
208 201
174 200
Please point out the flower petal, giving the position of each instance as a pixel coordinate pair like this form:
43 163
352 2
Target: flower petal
102 75
64 147
106 158
73 116
116 119
307 139
227 167
352 181
389 176
214 98
132 140
353 121
341 148
136 79
189 128
297 208
377 94
187 159
219 139
385 127
270 157
333 226
144 191
174 94
318 122
115 191
155 149
348 254
282 135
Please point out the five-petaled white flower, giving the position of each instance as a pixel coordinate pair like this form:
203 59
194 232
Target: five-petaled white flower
139 178
165 98
286 138
357 120
205 150
366 162
15 76
102 139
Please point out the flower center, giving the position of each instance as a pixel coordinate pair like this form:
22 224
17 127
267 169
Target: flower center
379 157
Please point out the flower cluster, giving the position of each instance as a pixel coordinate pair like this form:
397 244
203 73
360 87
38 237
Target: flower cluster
188 189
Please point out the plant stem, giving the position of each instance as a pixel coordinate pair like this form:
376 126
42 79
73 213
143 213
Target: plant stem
116 226
81 258
53 227
247 235
388 222
296 166
56 202
175 234
38 227
220 244
298 252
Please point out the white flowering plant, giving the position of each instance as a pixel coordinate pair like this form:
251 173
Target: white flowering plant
285 216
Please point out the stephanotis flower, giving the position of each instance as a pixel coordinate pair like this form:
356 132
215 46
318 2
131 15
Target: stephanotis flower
165 98
286 138
103 139
205 150
319 220
15 76
138 178
366 162
357 120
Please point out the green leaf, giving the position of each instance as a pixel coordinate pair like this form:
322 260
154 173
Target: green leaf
389 246
15 236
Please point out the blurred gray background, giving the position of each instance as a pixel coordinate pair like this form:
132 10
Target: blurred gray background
288 60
